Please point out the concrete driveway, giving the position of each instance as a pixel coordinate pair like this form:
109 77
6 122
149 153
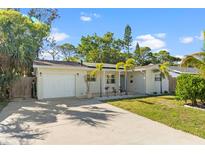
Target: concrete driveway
82 121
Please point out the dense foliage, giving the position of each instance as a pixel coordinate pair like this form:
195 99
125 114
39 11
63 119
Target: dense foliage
190 87
20 38
108 49
196 60
98 49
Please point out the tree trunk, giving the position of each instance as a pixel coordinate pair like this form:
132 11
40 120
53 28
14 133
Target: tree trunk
194 102
126 81
100 83
160 83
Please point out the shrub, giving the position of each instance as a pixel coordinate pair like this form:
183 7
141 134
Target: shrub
166 92
190 87
155 93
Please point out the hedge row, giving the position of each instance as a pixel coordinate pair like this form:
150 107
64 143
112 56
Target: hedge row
190 87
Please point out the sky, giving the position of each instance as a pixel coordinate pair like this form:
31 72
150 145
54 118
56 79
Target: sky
177 30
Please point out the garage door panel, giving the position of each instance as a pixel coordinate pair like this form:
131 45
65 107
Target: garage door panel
55 86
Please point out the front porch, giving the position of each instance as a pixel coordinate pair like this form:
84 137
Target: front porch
112 83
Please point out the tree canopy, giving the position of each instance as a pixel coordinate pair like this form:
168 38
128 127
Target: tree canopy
127 41
20 38
98 49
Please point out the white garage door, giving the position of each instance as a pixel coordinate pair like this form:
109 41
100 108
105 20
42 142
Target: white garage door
55 86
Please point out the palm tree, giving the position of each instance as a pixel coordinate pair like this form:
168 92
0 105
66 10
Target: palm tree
196 60
163 68
99 68
128 65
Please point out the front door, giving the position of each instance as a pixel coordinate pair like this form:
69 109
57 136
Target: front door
122 81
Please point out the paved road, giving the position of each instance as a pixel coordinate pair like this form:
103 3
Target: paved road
82 121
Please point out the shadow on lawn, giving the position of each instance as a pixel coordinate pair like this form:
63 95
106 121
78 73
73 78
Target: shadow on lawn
44 112
146 102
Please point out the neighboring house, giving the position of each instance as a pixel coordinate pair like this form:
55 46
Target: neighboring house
175 71
71 79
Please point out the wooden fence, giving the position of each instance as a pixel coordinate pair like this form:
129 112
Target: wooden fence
23 88
172 84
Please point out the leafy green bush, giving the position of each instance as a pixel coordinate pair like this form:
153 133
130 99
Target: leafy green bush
190 87
166 92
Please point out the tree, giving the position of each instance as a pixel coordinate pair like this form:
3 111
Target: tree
47 16
128 65
164 73
97 49
20 37
68 52
142 55
196 60
52 48
164 56
99 68
128 40
190 87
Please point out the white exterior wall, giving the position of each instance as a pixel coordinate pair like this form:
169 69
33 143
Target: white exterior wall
80 84
138 85
154 86
95 85
143 81
115 85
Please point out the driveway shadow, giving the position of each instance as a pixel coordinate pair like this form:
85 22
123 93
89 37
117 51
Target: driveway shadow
18 124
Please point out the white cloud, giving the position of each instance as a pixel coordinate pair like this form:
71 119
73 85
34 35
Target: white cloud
200 37
88 16
85 18
186 40
151 41
58 36
160 35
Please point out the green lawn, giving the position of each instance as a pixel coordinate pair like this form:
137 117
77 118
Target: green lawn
167 110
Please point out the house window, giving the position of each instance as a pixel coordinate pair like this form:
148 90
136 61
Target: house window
157 77
110 79
91 78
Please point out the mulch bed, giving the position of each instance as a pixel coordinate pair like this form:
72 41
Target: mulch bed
198 106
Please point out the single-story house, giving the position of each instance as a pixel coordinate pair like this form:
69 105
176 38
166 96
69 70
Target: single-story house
72 79
175 71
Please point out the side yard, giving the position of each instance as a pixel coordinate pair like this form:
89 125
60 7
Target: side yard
167 110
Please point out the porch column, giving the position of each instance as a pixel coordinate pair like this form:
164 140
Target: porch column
119 80
103 82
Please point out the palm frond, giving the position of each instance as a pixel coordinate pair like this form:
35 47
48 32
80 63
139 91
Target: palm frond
164 69
192 61
99 66
120 65
93 73
130 61
199 54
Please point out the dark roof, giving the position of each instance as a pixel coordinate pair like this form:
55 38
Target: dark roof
178 69
56 63
105 65
73 64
